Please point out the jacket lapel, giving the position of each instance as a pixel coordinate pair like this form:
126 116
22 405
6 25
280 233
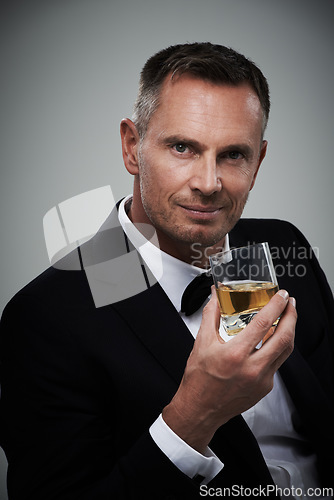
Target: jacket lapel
119 278
153 318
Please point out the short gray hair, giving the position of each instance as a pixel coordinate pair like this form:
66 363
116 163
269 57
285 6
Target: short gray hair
214 63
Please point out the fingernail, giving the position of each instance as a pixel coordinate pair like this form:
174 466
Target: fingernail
292 301
284 294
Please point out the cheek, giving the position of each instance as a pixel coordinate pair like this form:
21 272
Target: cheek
155 189
237 189
160 183
237 182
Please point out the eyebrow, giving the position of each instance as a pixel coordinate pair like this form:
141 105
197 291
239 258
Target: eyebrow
174 139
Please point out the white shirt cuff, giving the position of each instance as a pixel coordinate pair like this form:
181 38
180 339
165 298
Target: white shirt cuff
185 458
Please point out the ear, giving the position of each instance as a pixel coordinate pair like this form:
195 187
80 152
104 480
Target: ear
261 157
130 144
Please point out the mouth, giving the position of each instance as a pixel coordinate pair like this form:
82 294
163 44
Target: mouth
201 212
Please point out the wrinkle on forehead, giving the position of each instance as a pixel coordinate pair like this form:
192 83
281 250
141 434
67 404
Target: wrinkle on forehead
195 106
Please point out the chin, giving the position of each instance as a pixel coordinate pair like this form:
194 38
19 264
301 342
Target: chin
200 236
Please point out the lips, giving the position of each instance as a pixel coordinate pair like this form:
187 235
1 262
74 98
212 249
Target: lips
201 211
200 208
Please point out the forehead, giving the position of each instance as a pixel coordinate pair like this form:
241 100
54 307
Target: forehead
188 101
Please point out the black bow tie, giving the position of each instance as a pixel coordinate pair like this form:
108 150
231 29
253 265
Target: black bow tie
195 294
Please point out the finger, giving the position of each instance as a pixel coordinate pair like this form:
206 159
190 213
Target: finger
263 321
279 347
210 317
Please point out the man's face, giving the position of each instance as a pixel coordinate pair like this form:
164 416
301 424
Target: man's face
197 162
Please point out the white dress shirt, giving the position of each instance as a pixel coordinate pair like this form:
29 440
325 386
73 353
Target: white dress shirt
270 420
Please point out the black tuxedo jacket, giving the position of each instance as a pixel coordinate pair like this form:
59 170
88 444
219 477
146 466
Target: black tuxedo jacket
81 384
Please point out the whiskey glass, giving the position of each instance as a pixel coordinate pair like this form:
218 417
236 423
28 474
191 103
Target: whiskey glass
245 281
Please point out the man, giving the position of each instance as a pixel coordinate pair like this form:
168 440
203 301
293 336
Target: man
105 394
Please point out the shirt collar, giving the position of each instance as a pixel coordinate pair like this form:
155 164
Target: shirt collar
173 274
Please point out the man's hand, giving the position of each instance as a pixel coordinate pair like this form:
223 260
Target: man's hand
222 380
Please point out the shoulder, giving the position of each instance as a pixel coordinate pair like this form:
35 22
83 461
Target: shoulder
275 231
265 225
48 294
65 282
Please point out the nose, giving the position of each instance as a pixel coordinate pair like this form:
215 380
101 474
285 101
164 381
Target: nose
205 176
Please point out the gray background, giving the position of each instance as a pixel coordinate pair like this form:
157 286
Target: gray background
69 74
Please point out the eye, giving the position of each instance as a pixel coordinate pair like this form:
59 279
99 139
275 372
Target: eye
180 147
234 155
